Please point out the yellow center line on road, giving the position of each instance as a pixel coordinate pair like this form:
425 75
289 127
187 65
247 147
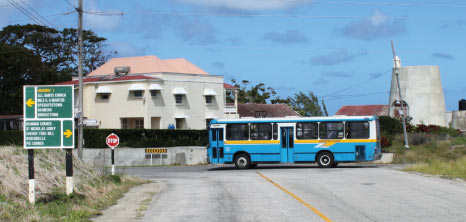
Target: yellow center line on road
325 218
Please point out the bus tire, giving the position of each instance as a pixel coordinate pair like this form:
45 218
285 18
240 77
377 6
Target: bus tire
242 161
325 160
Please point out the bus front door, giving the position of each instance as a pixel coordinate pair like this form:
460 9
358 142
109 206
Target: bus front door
216 143
287 144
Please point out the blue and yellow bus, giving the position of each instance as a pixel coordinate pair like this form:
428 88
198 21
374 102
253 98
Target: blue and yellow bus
328 141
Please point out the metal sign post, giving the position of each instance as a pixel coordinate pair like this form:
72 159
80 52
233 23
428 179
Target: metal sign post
112 141
48 124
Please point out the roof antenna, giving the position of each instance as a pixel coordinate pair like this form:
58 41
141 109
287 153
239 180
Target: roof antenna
396 64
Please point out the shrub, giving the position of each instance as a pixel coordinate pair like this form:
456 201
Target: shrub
390 126
385 142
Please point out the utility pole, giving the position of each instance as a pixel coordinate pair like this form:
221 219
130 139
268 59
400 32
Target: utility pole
403 114
80 75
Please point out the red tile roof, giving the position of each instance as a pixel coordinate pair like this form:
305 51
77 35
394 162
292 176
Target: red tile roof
363 110
102 79
272 110
228 86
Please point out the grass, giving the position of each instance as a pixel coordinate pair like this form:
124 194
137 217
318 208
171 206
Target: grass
93 191
445 157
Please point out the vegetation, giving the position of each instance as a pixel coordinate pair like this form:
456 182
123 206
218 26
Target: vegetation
39 55
437 154
306 104
137 138
93 191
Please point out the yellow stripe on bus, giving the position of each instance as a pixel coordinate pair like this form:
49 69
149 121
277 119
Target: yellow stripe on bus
327 142
253 142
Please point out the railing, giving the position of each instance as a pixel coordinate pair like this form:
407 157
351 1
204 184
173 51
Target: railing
229 108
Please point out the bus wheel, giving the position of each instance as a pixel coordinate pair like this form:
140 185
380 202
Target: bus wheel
242 161
325 160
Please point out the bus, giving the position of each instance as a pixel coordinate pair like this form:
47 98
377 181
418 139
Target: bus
328 141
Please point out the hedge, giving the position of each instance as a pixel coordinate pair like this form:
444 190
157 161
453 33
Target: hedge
136 138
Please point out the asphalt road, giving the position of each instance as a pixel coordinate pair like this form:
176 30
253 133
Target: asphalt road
302 193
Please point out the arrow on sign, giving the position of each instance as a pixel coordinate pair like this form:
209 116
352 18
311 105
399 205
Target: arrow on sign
30 102
68 133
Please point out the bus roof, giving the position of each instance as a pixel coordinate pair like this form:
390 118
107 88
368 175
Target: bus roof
294 119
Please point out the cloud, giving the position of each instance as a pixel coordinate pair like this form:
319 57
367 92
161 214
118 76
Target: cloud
335 58
100 22
127 49
289 37
218 64
375 27
320 81
443 56
195 31
457 23
235 41
339 74
250 5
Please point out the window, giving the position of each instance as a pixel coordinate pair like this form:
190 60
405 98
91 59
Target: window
261 114
331 130
208 99
104 96
275 131
179 99
180 123
237 131
357 130
139 123
306 131
261 131
153 93
124 123
137 93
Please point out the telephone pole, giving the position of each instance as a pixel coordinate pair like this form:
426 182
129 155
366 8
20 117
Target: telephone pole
80 75
403 113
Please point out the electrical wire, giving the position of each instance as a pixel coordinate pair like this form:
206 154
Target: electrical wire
44 19
25 12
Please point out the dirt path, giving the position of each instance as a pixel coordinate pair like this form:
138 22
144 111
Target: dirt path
133 205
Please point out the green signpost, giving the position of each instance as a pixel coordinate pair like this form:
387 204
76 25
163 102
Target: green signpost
48 117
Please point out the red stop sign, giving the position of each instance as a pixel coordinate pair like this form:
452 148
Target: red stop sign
112 140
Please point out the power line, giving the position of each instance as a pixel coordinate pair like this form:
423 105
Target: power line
7 5
72 5
25 12
104 13
60 14
357 84
25 3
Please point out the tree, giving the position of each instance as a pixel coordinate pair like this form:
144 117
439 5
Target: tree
308 105
258 94
38 55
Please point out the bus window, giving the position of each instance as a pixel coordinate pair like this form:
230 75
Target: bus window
357 130
275 131
306 130
214 135
261 131
237 131
331 130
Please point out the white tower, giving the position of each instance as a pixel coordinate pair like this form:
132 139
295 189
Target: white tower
422 92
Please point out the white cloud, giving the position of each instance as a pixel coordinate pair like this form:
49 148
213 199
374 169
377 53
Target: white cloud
378 18
251 5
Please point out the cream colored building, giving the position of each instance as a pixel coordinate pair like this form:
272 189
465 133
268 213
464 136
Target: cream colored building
147 92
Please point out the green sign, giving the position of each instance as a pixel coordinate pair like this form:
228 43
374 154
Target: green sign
48 117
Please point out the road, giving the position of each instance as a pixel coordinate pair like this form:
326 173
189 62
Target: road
302 193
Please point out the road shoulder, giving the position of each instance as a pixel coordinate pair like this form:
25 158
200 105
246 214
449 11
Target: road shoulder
133 205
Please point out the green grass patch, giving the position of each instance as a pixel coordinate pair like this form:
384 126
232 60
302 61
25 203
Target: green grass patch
438 156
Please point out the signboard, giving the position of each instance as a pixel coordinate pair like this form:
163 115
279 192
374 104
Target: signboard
48 116
156 150
112 140
90 122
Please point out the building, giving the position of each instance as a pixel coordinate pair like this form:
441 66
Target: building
363 110
265 110
422 94
147 92
11 122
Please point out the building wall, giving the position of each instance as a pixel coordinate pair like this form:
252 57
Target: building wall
421 88
161 109
459 120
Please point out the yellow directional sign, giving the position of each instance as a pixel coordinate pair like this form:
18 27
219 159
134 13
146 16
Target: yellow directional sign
156 150
30 102
68 133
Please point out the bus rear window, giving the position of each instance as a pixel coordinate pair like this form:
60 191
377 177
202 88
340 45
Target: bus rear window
331 130
237 131
357 130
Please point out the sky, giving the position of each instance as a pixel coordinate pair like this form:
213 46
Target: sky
339 50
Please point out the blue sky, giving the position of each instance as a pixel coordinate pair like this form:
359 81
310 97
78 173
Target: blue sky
340 50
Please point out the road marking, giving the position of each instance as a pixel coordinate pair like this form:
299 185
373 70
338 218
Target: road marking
325 218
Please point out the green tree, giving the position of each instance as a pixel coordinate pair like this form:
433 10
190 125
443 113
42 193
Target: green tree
307 104
37 55
259 94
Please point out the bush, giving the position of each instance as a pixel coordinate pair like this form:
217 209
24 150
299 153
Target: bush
136 138
390 126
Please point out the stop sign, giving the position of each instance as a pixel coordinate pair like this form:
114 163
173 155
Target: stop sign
112 140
